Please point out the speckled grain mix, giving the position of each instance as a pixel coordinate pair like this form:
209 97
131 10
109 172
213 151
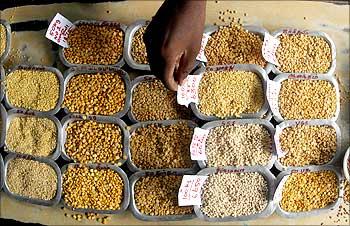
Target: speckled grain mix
307 99
31 179
95 44
32 135
346 191
152 101
230 93
308 145
303 53
32 89
157 146
157 196
138 47
3 39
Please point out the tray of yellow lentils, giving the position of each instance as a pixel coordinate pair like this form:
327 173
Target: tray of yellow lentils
109 120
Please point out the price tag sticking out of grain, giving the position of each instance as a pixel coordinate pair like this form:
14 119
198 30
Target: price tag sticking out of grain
197 147
273 89
188 92
201 55
190 190
269 49
59 29
280 152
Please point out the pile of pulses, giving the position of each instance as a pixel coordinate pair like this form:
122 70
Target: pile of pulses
93 142
2 39
238 145
230 93
100 189
156 146
152 101
32 135
95 44
303 53
157 196
31 179
234 45
346 191
308 191
138 47
32 89
308 145
95 94
307 99
234 194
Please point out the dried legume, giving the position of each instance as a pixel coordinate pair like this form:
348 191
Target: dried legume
230 93
307 99
3 39
234 194
238 145
31 179
95 94
303 53
94 142
152 101
308 145
95 44
234 45
138 47
157 196
32 135
32 89
307 191
347 191
157 146
100 189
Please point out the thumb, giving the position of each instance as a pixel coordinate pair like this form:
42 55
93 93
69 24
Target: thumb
185 67
168 74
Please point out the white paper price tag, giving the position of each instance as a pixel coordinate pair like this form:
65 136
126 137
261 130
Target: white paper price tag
269 48
58 30
190 190
273 89
197 147
188 92
201 55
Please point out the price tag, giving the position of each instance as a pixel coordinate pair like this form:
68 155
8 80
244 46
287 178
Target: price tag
58 30
201 55
190 190
269 48
188 92
273 89
197 147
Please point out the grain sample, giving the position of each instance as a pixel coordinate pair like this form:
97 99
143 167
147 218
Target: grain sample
157 196
308 145
3 39
238 145
308 191
157 146
152 101
94 142
346 191
32 136
31 179
307 99
230 93
95 94
234 45
100 189
234 194
303 53
32 89
95 44
138 47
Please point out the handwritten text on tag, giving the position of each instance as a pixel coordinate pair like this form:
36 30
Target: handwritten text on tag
201 55
273 89
58 30
188 92
190 190
269 48
197 147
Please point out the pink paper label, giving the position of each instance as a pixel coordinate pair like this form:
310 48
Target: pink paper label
190 190
269 48
201 55
188 92
197 147
59 29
